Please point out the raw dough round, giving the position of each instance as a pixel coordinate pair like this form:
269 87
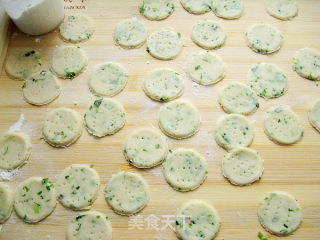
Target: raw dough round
76 28
264 38
105 116
23 62
306 62
236 97
205 67
15 149
163 84
68 61
156 9
41 88
233 130
282 125
90 225
282 9
279 213
130 33
127 193
267 80
185 169
77 186
164 44
195 220
196 6
208 34
228 9
145 148
62 127
35 199
314 114
107 79
179 119
6 200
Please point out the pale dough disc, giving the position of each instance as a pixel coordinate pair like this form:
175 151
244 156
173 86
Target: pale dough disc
314 114
62 127
127 193
233 130
282 125
156 9
196 6
267 80
105 116
76 28
23 62
130 33
242 166
197 220
306 62
6 200
35 199
279 213
185 169
164 44
228 9
236 97
208 34
163 84
107 79
15 149
145 148
282 9
264 38
77 186
41 88
179 119
68 61
90 225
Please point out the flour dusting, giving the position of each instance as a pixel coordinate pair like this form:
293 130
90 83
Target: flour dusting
17 126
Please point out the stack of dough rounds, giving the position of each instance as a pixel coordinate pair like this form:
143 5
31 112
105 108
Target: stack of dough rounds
282 9
196 6
163 84
205 67
145 148
6 200
15 149
105 116
228 9
35 199
179 119
156 9
127 193
282 125
314 114
77 186
76 28
62 127
306 62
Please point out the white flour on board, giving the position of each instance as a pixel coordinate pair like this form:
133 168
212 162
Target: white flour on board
17 126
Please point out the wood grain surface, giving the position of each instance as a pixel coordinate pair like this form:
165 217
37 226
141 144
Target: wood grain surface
295 168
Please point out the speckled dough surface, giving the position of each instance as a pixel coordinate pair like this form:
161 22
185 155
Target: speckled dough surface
6 200
228 9
196 6
282 9
156 9
306 62
314 114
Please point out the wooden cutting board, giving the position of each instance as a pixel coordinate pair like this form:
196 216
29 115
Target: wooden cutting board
295 168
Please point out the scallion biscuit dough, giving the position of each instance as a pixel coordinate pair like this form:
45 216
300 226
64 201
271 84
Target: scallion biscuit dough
264 38
77 186
163 84
233 130
205 67
127 193
107 79
279 213
90 225
105 116
6 200
208 34
68 61
35 199
22 63
314 114
196 6
228 9
145 148
197 220
185 169
179 119
282 9
156 9
306 62
76 28
267 80
236 97
15 149
282 125
62 127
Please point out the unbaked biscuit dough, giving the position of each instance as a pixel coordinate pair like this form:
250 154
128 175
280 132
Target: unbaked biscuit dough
228 9
6 202
314 115
282 9
306 62
156 9
196 6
